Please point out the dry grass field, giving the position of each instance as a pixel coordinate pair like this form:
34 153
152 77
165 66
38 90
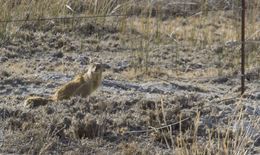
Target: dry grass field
171 80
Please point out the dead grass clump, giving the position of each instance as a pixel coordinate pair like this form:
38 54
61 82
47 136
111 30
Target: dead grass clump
191 137
131 148
58 129
5 113
89 127
90 28
27 142
106 7
148 104
14 124
49 110
164 137
72 152
19 121
139 72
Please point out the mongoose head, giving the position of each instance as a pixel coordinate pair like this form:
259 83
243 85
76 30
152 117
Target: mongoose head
94 72
95 68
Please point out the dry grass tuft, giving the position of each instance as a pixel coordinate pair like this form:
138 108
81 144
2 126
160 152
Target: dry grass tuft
87 128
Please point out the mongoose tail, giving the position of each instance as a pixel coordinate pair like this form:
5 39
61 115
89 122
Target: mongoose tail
35 101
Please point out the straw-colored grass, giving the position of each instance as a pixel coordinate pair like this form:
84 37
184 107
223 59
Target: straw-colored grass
198 31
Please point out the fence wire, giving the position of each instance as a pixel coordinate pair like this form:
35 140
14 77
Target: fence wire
235 45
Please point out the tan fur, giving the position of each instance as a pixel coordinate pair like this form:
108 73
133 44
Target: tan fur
93 80
67 90
81 85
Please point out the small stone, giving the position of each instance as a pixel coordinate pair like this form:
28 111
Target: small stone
83 60
80 115
218 49
121 66
18 91
249 110
258 96
5 74
66 122
106 66
49 110
220 80
3 59
58 54
257 142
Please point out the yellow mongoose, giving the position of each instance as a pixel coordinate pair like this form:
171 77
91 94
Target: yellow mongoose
81 85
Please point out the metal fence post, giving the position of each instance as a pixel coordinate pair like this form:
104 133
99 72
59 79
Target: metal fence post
243 46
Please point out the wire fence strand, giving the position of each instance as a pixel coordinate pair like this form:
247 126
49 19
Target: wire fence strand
236 44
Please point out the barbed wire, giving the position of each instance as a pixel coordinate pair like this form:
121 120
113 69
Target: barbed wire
124 15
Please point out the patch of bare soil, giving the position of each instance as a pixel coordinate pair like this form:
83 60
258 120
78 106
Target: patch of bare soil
132 112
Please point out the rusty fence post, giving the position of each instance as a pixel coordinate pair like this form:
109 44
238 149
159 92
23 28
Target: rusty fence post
243 25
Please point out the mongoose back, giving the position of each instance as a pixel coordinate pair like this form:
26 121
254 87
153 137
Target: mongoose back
67 90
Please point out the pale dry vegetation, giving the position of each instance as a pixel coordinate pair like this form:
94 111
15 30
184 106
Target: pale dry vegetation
200 45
